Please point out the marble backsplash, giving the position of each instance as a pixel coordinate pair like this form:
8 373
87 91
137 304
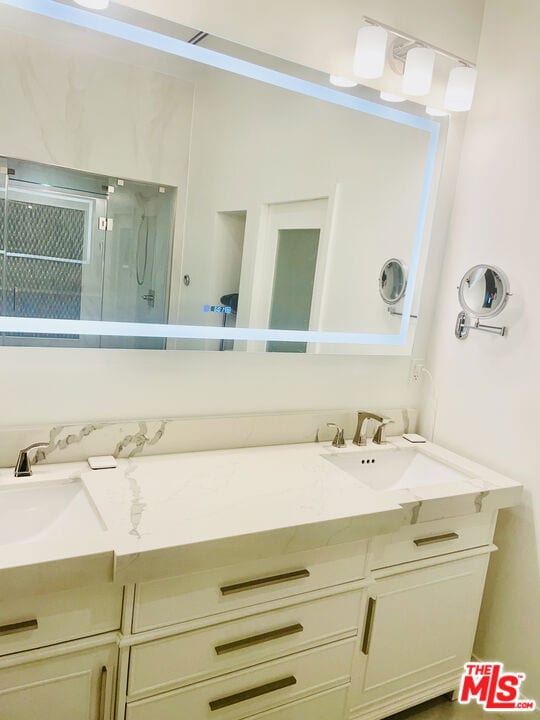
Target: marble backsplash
127 438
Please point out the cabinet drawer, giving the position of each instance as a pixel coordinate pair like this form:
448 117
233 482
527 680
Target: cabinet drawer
330 705
438 537
246 693
165 602
39 620
194 656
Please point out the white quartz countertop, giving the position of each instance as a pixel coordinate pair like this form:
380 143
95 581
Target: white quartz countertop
170 514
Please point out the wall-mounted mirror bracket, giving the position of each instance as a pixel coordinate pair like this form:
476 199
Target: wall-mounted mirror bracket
463 326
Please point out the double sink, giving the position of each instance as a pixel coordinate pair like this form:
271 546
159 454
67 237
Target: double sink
32 512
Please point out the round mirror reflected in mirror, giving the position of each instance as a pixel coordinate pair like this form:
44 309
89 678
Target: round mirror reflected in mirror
392 281
483 291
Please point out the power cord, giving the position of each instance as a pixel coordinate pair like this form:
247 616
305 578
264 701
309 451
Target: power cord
435 394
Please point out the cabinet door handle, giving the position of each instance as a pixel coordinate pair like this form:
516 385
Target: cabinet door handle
258 639
102 692
19 627
262 582
419 542
368 627
252 693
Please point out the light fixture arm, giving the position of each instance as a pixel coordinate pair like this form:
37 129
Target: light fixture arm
418 42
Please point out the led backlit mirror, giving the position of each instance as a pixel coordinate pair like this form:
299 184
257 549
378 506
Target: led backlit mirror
248 205
392 281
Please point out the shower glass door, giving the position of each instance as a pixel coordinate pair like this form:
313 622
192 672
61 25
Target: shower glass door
52 254
137 259
76 246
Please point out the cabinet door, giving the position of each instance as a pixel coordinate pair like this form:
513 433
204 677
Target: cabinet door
419 628
76 686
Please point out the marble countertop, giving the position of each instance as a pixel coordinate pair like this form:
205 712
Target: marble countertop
178 513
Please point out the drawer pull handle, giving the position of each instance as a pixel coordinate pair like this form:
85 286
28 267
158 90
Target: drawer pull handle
262 582
258 639
368 627
252 693
19 627
102 692
420 542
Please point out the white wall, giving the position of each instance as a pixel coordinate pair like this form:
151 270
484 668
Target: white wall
71 108
489 388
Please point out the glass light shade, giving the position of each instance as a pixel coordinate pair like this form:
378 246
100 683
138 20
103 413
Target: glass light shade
93 4
418 71
460 89
341 81
391 97
435 112
370 52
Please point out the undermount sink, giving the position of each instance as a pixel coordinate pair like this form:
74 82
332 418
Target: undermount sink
396 469
47 511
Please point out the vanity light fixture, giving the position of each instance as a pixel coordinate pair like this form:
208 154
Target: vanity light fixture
93 4
340 81
414 59
391 97
460 89
435 112
418 72
370 52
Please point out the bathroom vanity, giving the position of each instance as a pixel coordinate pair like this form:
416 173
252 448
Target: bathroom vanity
294 581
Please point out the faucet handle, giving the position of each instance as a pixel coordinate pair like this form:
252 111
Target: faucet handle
380 435
339 438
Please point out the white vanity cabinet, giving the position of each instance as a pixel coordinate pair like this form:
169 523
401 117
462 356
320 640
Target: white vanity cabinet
58 654
352 631
67 686
275 636
421 614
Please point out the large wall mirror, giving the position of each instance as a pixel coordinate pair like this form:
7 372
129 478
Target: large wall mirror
297 194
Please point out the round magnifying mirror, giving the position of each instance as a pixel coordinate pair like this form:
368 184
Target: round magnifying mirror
483 291
392 281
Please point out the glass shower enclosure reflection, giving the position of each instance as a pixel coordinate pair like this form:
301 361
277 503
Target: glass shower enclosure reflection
79 246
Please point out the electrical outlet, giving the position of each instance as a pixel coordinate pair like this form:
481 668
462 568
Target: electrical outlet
415 374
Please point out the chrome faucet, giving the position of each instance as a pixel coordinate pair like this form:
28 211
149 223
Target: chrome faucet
339 438
23 468
360 436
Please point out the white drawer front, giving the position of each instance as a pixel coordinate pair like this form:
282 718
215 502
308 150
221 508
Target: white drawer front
330 705
251 691
438 537
194 656
187 597
39 620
